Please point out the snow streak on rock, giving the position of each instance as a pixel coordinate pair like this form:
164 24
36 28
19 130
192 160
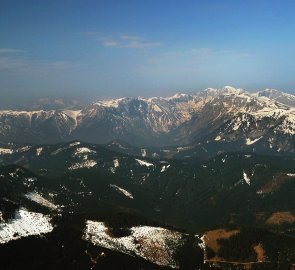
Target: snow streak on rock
35 197
122 191
144 163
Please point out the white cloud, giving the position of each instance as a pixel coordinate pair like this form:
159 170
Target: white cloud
129 41
131 37
10 50
110 43
9 63
141 45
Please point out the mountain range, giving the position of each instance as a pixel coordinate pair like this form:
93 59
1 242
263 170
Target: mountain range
262 121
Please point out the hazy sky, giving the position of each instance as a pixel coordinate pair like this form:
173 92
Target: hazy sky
108 48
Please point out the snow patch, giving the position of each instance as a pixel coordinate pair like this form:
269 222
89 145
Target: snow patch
57 151
74 144
111 103
72 114
250 141
116 163
5 151
165 168
39 151
29 181
202 245
85 164
83 150
157 245
143 152
24 149
35 197
144 163
122 191
157 108
218 138
24 224
246 178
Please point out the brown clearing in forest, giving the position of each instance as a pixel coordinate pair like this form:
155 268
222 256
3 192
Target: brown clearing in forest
211 237
276 183
260 253
278 218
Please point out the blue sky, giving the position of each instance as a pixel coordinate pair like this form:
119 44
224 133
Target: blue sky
108 48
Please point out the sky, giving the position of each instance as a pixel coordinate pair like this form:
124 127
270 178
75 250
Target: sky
96 49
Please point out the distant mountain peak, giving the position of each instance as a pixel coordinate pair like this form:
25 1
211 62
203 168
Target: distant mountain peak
110 102
232 90
277 95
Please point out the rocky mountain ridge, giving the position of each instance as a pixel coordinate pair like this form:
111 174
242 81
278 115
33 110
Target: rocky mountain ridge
220 115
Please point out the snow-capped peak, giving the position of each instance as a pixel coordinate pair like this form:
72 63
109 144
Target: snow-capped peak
231 90
178 96
110 102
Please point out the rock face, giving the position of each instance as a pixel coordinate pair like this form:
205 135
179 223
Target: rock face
266 119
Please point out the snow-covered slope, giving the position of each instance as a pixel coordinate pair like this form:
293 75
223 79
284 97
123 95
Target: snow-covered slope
24 224
157 245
